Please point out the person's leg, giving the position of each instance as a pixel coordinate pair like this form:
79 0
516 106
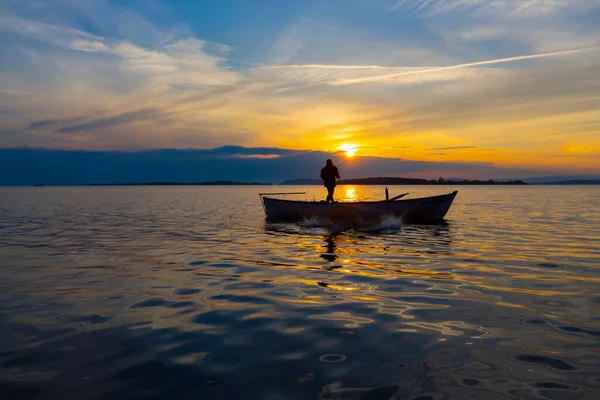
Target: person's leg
330 190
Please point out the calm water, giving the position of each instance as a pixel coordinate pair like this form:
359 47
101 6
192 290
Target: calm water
185 292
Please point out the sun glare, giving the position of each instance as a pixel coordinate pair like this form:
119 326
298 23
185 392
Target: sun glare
349 149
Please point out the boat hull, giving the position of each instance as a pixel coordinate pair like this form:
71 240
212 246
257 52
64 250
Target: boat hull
420 209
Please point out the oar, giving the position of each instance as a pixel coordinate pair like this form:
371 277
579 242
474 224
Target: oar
398 197
274 194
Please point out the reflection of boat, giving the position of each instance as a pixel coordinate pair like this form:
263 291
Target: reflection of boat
422 209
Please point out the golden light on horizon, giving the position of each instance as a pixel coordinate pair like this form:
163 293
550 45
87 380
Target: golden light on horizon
349 149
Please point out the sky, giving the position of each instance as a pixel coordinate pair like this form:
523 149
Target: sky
512 85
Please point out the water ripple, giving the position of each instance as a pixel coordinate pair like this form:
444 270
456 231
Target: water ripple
153 292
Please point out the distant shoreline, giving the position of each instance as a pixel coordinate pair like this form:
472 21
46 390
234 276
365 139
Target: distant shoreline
379 181
390 181
210 183
403 181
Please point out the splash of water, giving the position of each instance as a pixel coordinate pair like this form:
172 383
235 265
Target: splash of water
314 222
387 223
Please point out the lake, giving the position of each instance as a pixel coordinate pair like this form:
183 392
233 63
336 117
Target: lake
184 292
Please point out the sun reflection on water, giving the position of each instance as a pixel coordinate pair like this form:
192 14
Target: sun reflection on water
350 194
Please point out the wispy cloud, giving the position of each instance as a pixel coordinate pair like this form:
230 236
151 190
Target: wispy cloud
298 76
55 34
172 62
466 65
452 148
575 156
53 122
519 8
257 156
102 123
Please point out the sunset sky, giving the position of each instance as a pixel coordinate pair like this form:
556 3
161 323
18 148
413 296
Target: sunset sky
510 83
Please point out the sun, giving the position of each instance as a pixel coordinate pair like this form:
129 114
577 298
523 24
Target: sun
349 149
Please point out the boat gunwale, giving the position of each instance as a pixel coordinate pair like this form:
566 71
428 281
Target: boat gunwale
439 196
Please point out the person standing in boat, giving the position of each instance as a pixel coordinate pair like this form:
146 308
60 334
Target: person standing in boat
328 174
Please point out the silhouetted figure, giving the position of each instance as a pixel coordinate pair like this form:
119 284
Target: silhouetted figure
328 174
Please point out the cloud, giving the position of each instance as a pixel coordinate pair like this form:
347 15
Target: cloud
466 65
53 122
596 155
179 62
299 76
144 80
41 124
259 156
516 8
182 61
87 45
108 122
453 148
249 152
59 35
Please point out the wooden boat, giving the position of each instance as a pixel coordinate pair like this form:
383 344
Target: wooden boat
419 209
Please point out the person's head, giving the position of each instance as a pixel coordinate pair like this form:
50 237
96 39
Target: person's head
329 162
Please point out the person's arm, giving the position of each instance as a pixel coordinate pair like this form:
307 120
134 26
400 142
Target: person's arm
337 173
